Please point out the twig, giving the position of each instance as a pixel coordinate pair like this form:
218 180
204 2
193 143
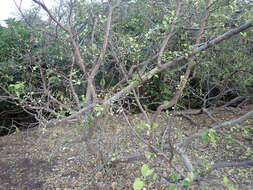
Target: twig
181 86
153 148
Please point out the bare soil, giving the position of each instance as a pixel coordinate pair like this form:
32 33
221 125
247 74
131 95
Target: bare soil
59 158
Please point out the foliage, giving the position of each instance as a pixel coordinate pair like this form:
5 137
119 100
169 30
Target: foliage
138 30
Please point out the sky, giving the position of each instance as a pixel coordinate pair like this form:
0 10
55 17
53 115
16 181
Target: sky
8 8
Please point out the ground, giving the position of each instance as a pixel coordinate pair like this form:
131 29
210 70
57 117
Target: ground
59 158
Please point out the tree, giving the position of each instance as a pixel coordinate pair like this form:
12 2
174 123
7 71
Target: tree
87 56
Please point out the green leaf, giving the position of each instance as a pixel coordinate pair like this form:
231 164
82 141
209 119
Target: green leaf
225 180
148 155
204 135
172 187
228 147
53 79
150 76
144 125
145 171
244 34
102 82
148 132
186 183
94 47
212 136
155 125
231 188
173 12
203 188
155 177
181 77
98 113
166 102
174 177
138 184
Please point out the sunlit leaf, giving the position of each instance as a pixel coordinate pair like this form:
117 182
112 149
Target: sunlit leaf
138 184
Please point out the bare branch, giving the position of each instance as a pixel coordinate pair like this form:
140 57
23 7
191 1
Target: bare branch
71 83
188 70
165 42
91 92
108 27
141 108
67 30
41 4
157 70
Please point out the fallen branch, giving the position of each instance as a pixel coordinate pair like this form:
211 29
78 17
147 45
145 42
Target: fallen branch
227 123
225 164
129 158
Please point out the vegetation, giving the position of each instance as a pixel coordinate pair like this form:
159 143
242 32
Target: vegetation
90 59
